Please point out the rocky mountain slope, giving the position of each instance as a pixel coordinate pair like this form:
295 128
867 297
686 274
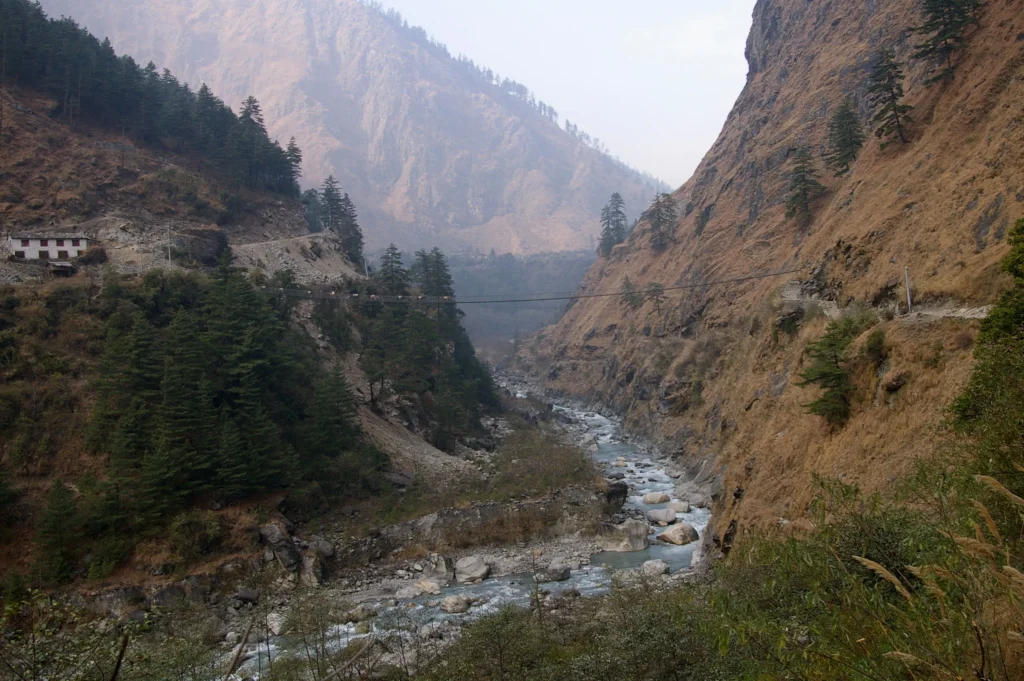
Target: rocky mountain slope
711 372
133 200
431 154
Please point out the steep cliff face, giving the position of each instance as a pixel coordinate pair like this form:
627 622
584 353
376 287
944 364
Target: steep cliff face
712 371
429 153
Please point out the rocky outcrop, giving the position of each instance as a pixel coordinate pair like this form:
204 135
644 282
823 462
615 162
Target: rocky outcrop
279 541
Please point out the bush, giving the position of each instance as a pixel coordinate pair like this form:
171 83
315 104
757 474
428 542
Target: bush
874 347
194 534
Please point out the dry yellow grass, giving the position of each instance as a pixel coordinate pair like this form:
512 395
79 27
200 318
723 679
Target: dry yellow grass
939 205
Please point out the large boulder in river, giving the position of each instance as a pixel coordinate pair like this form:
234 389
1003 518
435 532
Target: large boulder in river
679 506
471 569
616 494
439 569
656 498
557 571
680 535
627 537
455 605
654 568
662 515
429 586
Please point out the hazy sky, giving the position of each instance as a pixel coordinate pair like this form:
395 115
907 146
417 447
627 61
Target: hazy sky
654 80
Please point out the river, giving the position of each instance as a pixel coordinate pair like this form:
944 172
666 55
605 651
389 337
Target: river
606 443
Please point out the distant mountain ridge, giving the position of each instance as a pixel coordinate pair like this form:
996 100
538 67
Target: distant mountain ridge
430 151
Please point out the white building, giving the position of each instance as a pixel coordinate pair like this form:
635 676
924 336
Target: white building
39 247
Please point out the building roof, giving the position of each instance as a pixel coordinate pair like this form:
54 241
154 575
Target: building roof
49 236
60 265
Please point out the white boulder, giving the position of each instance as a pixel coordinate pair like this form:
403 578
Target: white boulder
654 568
680 535
471 569
627 537
662 515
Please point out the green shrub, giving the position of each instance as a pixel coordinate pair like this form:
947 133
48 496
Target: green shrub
194 534
874 347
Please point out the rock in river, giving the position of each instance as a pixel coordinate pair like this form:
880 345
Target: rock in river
680 535
558 571
656 498
455 605
470 569
429 586
629 536
663 515
679 506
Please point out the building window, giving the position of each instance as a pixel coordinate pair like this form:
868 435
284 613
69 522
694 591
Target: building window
19 254
44 242
44 255
62 255
24 243
60 242
75 243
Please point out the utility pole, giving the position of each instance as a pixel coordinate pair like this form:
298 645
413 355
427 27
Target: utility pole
910 304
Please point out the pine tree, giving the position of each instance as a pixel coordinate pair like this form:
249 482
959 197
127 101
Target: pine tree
185 429
944 27
351 234
132 439
58 532
234 472
333 424
393 277
331 209
663 219
845 138
620 223
613 224
381 356
804 188
145 365
885 96
294 156
422 348
827 370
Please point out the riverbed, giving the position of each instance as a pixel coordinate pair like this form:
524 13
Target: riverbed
614 455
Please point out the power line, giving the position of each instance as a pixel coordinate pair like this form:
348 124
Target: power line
484 300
